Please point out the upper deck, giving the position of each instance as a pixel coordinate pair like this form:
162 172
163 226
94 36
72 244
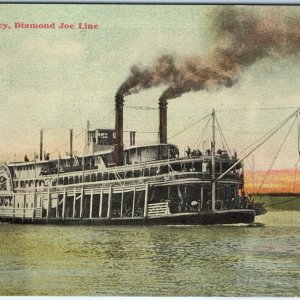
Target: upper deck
140 162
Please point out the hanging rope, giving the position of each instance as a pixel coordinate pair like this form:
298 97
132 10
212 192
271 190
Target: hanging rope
296 198
201 135
266 137
189 126
58 148
295 177
271 133
274 159
223 137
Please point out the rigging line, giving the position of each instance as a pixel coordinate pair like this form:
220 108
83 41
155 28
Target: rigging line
201 135
296 198
189 126
61 146
219 130
105 116
222 135
81 132
278 151
267 133
141 131
244 132
267 138
257 109
295 177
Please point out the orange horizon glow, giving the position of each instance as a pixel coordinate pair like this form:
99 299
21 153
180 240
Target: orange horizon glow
277 181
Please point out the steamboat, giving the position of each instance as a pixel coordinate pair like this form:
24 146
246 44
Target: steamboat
133 185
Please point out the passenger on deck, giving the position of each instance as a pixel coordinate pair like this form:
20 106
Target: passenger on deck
198 153
171 153
188 152
26 158
208 152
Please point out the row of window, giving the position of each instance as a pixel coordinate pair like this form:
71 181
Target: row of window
25 168
145 172
21 205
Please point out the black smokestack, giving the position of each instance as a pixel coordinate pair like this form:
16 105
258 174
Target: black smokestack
163 121
243 35
118 147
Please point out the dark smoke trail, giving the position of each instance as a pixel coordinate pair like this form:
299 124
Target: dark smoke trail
243 36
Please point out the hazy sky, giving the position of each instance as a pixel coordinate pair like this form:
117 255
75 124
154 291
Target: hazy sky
58 79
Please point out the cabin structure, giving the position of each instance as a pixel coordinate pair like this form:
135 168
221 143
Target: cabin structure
116 184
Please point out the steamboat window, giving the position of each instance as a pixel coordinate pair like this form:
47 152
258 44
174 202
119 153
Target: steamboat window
93 177
137 173
103 135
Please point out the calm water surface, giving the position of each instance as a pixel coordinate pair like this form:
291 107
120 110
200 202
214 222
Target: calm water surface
153 261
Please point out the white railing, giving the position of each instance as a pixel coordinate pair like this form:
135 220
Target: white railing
16 212
156 209
38 212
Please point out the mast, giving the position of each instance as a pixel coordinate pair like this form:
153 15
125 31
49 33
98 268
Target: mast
41 145
213 164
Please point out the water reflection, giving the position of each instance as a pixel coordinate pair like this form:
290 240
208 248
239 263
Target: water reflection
152 261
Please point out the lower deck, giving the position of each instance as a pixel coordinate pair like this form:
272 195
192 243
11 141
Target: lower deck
176 201
198 218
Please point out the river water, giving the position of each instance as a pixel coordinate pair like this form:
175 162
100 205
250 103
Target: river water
153 261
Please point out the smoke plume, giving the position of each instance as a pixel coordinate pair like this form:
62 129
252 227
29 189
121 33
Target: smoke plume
242 35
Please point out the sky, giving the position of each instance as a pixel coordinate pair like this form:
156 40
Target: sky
58 79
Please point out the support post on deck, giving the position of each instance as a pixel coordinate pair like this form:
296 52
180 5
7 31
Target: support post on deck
81 202
64 204
91 204
100 204
34 204
24 208
48 204
14 202
133 201
109 202
57 203
74 202
122 200
146 200
201 197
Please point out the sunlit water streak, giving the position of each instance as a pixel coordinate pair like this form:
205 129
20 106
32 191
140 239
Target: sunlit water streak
153 261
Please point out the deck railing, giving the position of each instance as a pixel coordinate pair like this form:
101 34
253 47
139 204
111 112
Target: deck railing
157 209
16 212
